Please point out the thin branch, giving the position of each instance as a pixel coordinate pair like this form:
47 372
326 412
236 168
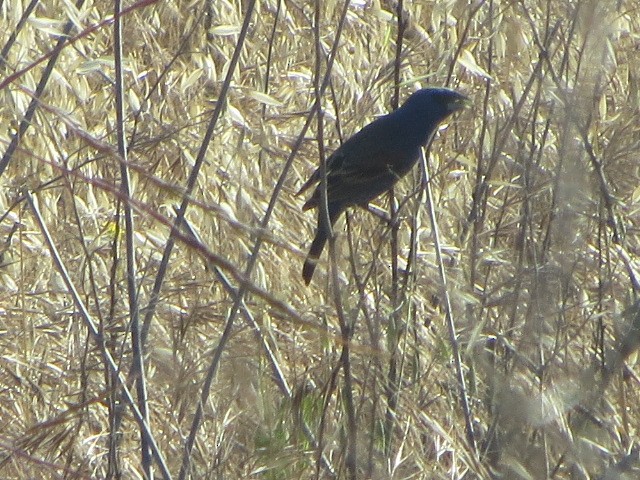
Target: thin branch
137 370
451 327
97 336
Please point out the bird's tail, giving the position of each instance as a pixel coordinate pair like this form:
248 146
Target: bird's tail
313 256
320 240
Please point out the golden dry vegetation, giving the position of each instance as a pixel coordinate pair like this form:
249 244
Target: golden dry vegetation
500 344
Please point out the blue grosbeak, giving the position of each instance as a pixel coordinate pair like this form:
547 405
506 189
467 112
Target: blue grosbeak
374 159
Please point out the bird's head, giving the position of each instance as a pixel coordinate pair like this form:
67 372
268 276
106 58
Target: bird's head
435 103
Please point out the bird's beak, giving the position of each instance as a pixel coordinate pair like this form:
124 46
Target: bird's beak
458 103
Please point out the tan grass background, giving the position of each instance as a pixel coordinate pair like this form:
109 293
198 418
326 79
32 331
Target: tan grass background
536 190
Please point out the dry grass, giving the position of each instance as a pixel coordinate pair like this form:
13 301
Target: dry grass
536 193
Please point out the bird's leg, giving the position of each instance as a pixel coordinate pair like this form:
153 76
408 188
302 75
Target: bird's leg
378 212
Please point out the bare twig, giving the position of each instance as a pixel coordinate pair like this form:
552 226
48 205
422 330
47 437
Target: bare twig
98 338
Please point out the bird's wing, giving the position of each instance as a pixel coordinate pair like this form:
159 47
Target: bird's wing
353 184
315 177
374 141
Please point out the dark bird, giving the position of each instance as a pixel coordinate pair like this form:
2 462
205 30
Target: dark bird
374 159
